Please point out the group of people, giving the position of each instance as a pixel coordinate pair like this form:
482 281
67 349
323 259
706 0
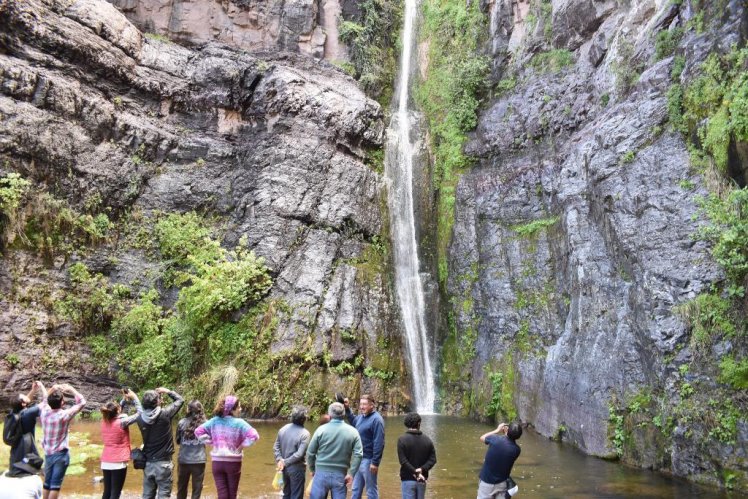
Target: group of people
337 454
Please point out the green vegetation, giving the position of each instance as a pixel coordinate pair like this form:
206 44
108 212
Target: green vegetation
625 67
552 61
372 41
734 373
530 229
449 97
502 392
616 430
627 157
666 43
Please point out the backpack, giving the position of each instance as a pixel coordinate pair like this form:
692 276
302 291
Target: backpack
12 431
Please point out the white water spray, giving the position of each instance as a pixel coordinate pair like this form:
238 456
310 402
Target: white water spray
399 172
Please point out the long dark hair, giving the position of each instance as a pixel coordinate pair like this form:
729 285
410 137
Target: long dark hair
110 411
196 417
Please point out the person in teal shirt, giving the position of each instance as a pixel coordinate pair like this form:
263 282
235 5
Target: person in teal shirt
334 455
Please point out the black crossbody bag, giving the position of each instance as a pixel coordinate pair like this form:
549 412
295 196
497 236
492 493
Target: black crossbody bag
137 455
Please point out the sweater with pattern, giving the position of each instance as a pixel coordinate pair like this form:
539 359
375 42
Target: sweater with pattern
228 436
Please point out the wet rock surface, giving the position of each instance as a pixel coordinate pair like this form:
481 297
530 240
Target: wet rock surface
271 146
581 304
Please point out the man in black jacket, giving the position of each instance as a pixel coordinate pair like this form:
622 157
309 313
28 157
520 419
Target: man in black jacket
417 456
158 444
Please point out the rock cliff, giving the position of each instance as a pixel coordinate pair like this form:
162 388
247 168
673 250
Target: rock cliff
574 235
114 131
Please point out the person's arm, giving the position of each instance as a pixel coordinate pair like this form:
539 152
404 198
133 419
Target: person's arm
378 444
403 458
298 456
277 452
128 420
180 432
80 403
42 391
170 410
311 453
356 457
502 428
431 461
349 415
202 432
250 436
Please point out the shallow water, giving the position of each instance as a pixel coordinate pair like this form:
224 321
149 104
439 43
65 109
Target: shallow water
544 469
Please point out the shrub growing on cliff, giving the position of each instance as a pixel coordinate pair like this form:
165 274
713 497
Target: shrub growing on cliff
371 40
449 96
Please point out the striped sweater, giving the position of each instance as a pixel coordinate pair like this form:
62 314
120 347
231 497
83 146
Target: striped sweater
228 436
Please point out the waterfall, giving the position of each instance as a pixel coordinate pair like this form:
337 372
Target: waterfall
399 172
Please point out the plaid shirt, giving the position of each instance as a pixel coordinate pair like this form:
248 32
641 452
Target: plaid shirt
55 424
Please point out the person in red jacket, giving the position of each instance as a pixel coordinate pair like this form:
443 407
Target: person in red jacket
116 437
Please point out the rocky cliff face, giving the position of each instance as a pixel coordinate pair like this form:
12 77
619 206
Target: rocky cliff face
274 151
306 26
573 240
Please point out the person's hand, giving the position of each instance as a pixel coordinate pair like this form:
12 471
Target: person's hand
280 465
130 395
348 479
161 389
346 403
502 428
373 469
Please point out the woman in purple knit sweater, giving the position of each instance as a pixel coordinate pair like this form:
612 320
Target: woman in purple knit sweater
227 434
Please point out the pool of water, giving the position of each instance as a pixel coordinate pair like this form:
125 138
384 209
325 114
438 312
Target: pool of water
545 469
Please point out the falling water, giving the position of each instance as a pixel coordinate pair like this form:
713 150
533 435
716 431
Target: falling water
399 171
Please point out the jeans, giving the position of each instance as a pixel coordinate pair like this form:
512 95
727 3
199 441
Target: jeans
328 480
293 482
157 479
364 476
226 475
491 490
413 490
114 480
184 472
55 466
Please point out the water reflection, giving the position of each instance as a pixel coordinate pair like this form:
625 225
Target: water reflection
545 469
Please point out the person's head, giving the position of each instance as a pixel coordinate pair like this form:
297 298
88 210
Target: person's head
20 402
227 406
196 417
514 431
110 411
55 398
298 415
336 410
412 421
151 400
195 409
366 404
31 464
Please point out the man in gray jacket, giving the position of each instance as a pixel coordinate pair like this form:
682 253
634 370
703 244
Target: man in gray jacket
289 448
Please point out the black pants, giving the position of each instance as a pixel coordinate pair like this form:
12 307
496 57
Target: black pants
197 472
293 482
114 480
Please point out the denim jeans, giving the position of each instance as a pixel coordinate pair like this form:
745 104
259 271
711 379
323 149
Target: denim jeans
55 466
413 490
293 482
364 476
328 480
157 479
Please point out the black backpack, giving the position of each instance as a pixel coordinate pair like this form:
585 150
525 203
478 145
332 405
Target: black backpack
12 431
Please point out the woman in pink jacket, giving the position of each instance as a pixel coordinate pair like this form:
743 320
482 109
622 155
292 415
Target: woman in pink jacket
116 438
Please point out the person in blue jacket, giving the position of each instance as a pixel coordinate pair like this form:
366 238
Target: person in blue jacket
370 426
